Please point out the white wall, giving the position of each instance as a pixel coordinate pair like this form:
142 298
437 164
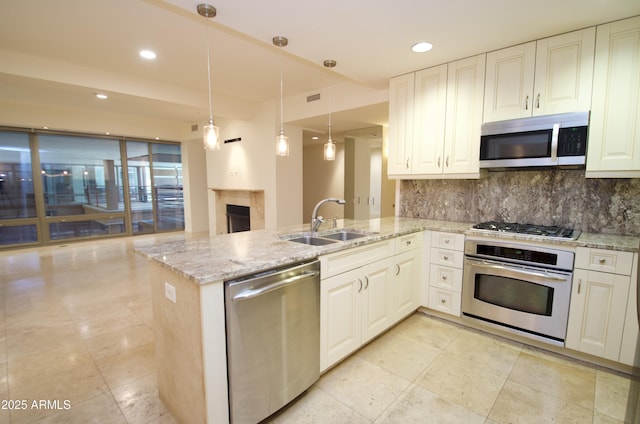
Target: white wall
323 179
194 171
251 164
289 189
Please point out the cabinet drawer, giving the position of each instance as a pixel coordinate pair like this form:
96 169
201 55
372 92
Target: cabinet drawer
408 242
444 301
604 260
339 262
444 277
447 240
447 257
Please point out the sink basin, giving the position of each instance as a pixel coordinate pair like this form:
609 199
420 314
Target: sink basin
313 241
323 238
344 235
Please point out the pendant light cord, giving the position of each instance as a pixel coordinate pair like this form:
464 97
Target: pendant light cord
281 101
209 76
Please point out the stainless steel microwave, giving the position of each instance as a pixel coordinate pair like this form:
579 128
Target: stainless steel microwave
550 140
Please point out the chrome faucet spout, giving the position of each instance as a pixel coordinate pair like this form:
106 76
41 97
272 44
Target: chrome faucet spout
317 220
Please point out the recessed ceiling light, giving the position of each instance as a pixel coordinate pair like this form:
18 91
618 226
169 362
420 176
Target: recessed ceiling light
101 96
147 54
421 47
315 137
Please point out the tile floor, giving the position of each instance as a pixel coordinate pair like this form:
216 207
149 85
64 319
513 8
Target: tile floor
76 337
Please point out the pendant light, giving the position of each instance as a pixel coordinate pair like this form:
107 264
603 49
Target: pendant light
211 132
329 146
282 141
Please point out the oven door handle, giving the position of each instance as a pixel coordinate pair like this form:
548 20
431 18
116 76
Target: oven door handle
520 271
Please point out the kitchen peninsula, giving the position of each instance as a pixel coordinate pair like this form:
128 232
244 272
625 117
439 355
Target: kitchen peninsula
188 298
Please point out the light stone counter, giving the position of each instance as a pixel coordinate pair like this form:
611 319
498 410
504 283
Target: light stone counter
224 257
209 259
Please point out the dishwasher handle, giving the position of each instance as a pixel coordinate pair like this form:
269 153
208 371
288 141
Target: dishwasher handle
251 293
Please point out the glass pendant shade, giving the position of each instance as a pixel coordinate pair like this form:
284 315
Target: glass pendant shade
211 136
330 150
282 144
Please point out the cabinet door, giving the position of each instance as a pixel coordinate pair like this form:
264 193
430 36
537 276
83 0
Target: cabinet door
429 120
340 316
401 96
406 284
597 313
509 83
614 131
377 295
465 92
564 73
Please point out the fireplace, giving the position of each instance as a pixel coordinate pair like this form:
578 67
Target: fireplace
251 202
238 218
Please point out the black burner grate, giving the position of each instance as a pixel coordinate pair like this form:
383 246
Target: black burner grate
530 229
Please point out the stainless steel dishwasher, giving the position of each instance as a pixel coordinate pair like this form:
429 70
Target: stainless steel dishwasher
273 339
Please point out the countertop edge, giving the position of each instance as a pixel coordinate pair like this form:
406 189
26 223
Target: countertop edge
213 259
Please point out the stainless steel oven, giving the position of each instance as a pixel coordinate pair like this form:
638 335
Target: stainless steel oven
520 287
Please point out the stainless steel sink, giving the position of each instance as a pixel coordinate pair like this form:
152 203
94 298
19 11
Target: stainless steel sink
344 235
323 238
312 240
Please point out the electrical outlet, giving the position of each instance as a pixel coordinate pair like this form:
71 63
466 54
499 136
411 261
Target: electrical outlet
170 292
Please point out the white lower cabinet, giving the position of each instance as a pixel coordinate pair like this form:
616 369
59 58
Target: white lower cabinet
599 302
408 272
445 273
359 303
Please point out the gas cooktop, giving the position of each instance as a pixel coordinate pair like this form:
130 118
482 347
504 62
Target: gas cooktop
549 231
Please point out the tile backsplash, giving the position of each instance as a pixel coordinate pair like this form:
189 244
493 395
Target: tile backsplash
546 197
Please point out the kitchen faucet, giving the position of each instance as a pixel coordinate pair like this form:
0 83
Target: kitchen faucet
317 220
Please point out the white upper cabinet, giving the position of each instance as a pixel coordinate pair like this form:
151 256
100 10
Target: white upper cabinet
401 98
614 132
429 120
552 75
465 93
434 131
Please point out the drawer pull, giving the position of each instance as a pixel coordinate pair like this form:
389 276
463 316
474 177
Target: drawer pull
446 241
408 242
443 300
444 278
360 285
397 269
579 285
366 285
602 261
446 258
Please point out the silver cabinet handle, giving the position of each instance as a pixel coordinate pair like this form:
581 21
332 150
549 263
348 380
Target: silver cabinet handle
438 161
407 164
366 279
251 293
360 285
397 269
526 103
579 285
538 101
446 161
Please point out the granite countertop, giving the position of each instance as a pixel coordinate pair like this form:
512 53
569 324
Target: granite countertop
206 259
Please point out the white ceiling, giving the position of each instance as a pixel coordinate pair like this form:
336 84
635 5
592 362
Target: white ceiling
60 52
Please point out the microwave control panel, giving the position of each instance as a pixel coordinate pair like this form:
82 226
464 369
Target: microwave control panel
572 141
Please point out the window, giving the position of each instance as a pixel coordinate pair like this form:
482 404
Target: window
17 198
63 186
